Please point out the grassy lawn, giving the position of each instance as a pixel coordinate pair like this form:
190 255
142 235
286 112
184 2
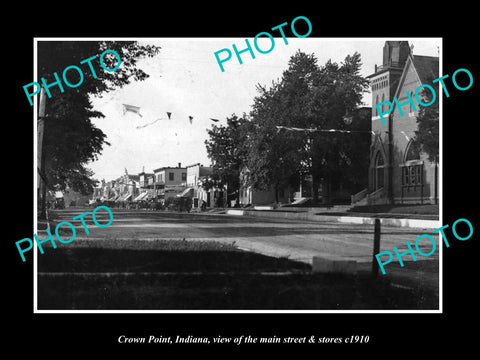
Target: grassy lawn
204 275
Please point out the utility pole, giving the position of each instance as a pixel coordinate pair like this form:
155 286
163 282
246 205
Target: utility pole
376 247
390 160
41 186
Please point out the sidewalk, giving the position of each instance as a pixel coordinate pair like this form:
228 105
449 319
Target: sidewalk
388 219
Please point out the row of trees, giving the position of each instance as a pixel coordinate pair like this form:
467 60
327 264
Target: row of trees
308 96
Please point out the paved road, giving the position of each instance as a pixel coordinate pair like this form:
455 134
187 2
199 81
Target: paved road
297 240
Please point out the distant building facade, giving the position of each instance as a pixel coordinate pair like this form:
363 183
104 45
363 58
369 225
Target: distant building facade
197 175
169 181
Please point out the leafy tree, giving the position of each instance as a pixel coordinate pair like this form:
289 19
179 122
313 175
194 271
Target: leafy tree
71 140
337 93
307 97
274 157
226 149
428 125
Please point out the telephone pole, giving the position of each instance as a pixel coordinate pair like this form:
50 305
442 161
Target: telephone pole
41 186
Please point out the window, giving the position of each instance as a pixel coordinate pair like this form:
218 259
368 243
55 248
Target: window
412 151
376 102
412 171
171 176
379 177
412 175
184 176
410 103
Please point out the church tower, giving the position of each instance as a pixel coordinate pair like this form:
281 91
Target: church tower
384 83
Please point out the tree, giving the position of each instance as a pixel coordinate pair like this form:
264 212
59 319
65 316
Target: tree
71 140
337 93
274 158
225 147
312 98
428 126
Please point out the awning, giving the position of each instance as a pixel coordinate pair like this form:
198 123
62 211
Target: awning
186 193
142 196
150 195
123 197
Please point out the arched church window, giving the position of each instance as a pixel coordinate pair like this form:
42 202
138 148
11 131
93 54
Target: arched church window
410 103
412 171
412 151
379 177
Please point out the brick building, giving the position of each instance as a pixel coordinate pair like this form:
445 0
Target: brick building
169 181
399 172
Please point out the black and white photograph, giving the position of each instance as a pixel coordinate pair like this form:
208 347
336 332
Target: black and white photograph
270 184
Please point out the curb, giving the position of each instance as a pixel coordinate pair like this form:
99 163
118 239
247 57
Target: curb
404 222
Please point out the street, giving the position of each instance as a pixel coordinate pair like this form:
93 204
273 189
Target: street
295 239
145 230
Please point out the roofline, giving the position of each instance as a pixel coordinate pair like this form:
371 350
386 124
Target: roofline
427 56
402 79
377 73
168 167
193 165
382 71
199 164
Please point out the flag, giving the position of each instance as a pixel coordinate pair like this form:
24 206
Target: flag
190 118
216 120
169 114
148 124
131 108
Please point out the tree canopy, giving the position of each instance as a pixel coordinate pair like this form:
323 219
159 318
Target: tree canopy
280 141
71 140
226 149
309 97
428 122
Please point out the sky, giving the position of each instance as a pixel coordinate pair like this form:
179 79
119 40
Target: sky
186 80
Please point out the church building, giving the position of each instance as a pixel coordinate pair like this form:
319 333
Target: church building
399 172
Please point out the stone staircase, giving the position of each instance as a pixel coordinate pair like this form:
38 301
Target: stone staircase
364 198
